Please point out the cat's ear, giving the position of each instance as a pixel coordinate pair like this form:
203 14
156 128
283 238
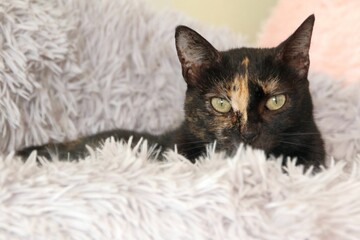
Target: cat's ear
195 53
295 50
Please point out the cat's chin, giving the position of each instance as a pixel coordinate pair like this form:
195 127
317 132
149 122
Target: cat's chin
232 148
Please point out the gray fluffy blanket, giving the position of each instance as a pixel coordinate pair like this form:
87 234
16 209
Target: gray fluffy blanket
70 68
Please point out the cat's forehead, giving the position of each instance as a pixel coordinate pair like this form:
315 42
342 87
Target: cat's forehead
249 70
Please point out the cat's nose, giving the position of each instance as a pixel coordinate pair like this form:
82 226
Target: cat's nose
249 136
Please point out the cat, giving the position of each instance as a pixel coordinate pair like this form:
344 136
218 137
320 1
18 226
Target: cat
255 96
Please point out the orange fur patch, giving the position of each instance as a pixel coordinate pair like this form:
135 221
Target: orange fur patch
270 86
239 93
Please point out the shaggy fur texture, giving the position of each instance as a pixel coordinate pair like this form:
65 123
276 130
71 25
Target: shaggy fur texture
75 67
119 193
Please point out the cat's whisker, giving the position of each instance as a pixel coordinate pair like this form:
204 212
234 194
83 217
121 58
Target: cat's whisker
312 147
299 134
295 143
192 142
192 147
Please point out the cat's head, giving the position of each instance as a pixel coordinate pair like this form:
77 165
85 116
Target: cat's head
254 96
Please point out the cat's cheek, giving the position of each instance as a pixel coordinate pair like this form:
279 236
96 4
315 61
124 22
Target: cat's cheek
196 122
224 131
276 120
222 127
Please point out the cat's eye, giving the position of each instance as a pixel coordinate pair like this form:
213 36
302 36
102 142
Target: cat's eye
276 102
220 105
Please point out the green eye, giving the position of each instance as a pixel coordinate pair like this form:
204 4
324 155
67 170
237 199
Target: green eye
220 105
276 102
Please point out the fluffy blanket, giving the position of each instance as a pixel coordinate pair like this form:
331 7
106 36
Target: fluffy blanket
74 67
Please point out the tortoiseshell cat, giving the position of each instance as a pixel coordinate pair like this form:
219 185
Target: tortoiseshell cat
259 97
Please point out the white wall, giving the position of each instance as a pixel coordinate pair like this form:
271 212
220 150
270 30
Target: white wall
243 16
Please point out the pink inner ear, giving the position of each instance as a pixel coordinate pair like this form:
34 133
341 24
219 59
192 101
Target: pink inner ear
194 52
295 50
298 60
